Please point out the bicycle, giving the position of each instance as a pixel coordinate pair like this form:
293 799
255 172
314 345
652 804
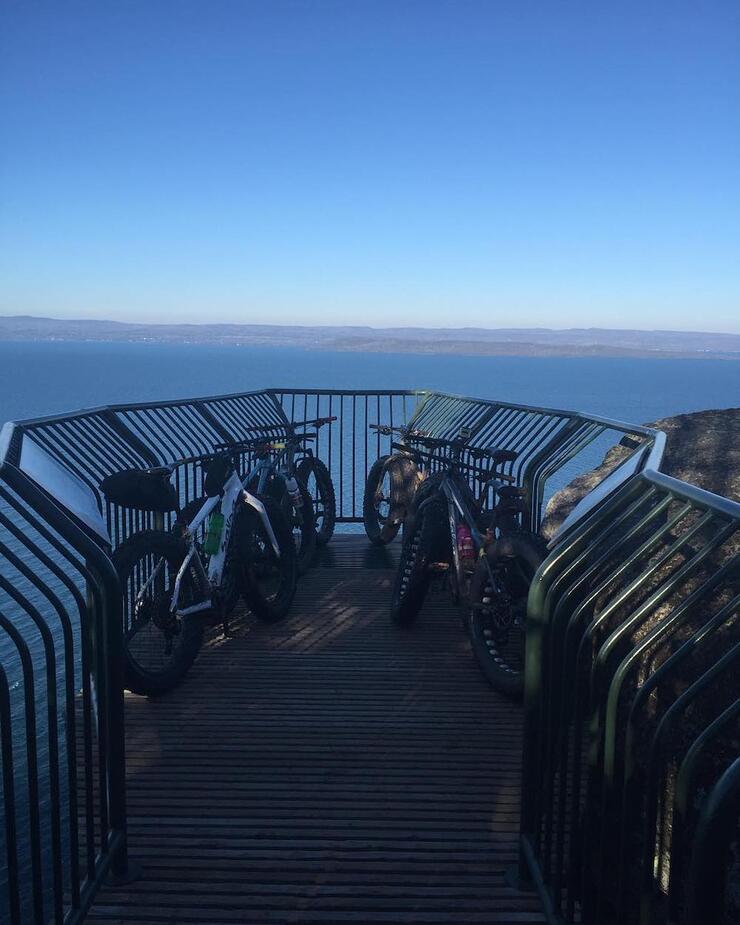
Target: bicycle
390 486
274 474
313 473
312 497
487 558
171 580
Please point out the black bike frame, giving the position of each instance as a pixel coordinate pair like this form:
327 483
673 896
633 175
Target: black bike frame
458 511
268 465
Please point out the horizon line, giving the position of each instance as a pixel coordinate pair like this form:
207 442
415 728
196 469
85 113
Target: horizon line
387 327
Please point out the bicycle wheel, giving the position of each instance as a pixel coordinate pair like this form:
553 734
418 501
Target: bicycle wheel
498 609
376 504
423 545
268 583
389 494
159 646
312 473
302 525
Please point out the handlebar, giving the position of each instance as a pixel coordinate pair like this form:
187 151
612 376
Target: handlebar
401 430
316 422
494 453
261 442
501 476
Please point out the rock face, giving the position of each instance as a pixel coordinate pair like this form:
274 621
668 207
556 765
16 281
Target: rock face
702 448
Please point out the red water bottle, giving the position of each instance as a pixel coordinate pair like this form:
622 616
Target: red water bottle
465 548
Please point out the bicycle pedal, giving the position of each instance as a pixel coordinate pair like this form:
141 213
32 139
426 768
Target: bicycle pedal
439 568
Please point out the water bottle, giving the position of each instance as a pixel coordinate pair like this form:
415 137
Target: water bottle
294 492
465 548
213 535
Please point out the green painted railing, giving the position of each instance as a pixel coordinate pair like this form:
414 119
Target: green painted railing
631 783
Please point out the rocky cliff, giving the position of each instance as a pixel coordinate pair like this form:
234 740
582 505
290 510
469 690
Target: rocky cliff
702 448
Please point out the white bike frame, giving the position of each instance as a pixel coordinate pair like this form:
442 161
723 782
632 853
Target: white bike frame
233 493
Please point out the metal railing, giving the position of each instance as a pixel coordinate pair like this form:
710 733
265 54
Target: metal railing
61 710
631 782
93 443
545 439
348 446
57 531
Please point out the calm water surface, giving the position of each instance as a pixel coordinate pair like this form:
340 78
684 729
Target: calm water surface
44 378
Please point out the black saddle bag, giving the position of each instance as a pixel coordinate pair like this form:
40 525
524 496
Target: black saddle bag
141 490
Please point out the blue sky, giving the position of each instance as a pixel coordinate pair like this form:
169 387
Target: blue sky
434 163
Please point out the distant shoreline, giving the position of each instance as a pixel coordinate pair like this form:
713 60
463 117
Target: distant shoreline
502 342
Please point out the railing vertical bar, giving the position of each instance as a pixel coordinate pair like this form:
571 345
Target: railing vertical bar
11 829
32 773
378 420
71 719
51 701
366 431
354 455
340 398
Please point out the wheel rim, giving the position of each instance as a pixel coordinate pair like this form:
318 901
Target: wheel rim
264 566
382 500
313 487
152 634
502 618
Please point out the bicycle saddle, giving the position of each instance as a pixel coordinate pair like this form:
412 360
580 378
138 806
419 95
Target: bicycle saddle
142 489
493 453
511 492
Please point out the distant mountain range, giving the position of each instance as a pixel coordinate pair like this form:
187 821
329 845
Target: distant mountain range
470 341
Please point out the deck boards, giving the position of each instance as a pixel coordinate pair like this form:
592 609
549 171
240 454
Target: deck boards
328 769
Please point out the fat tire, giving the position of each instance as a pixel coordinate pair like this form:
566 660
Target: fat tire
305 554
269 609
404 478
530 550
424 543
374 528
158 544
326 495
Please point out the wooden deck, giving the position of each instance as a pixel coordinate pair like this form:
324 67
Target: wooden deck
329 769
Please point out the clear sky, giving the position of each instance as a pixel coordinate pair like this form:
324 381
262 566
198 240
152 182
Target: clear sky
390 162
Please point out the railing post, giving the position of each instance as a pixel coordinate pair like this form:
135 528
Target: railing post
101 567
707 872
113 649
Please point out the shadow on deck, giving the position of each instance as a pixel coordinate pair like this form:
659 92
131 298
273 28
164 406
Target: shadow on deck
327 769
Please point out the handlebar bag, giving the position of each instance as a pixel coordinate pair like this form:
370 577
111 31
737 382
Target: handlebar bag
141 490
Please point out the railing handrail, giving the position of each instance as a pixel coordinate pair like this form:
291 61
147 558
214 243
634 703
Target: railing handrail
117 417
609 623
699 496
612 423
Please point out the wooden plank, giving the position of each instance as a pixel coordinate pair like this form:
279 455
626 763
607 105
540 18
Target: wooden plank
328 769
